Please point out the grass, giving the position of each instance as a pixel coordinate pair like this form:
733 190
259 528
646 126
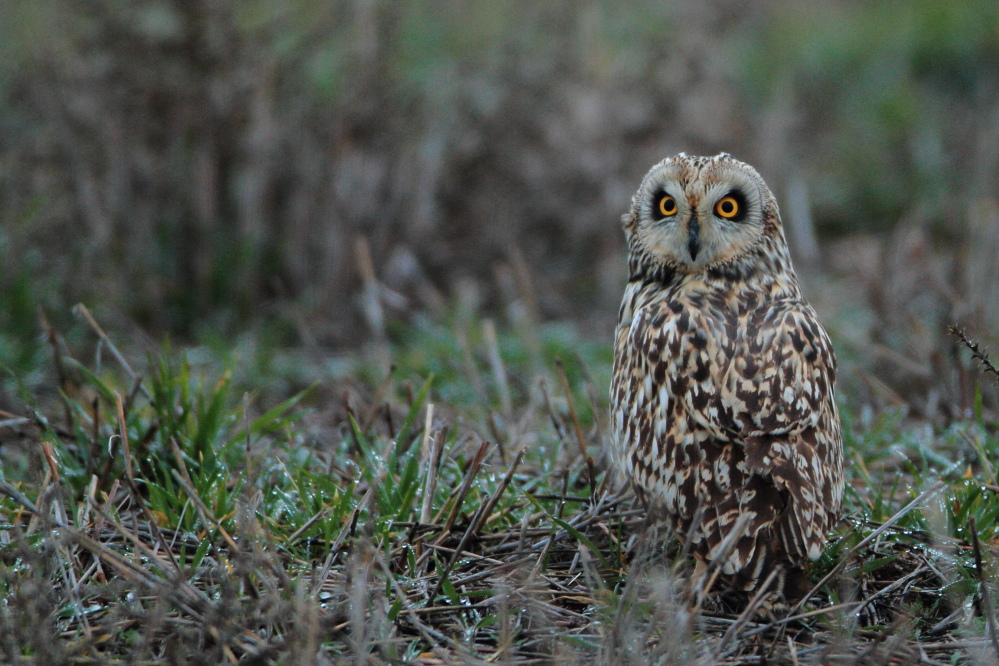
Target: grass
452 508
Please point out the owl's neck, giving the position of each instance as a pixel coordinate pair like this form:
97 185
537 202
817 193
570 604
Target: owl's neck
769 273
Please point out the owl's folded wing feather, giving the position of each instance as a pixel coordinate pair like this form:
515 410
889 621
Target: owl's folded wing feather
781 373
779 388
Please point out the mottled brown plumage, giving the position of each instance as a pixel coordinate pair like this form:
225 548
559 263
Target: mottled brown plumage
722 395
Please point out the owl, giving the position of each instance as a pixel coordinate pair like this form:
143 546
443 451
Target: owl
723 407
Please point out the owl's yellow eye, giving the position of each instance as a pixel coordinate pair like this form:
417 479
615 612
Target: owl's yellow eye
727 207
667 206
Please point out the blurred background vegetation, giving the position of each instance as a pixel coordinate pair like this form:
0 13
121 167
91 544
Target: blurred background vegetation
321 172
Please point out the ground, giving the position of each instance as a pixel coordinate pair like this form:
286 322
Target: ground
439 497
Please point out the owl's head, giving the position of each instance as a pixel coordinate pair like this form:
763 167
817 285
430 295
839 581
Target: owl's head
705 214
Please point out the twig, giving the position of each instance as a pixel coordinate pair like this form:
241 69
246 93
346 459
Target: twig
118 562
432 458
552 414
564 380
53 340
481 514
555 534
48 452
793 650
95 440
499 491
499 371
370 299
429 470
81 309
591 394
180 582
134 571
466 484
890 631
747 613
457 552
132 393
347 530
976 353
248 444
16 421
762 629
485 559
133 486
16 495
206 515
891 588
309 523
376 402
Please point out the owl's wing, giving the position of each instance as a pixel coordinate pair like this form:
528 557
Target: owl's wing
778 395
781 373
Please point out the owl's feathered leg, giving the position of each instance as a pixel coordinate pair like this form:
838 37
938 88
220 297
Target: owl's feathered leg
642 496
791 583
699 588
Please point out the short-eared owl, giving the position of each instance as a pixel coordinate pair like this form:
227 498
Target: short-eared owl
722 396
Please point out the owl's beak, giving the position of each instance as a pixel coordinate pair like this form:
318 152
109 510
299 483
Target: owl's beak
693 237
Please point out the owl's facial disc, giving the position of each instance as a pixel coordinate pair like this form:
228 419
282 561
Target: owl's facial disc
694 221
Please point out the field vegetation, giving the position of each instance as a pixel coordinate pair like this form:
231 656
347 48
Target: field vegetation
455 507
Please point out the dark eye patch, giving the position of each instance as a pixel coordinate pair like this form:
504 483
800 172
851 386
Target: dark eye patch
663 205
732 206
